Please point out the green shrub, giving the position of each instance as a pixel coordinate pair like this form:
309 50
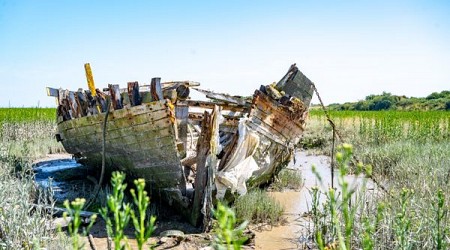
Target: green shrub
226 234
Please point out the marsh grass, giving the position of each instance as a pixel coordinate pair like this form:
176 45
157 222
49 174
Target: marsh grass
287 179
409 154
258 207
26 134
24 223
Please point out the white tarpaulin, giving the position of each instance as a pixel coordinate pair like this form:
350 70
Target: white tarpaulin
241 165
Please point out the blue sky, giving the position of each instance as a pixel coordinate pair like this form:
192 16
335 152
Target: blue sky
350 49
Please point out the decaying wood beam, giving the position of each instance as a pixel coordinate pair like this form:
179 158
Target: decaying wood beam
296 84
210 105
52 92
92 106
207 150
156 89
182 115
114 91
228 149
199 116
73 105
82 102
223 97
101 100
176 84
133 93
203 147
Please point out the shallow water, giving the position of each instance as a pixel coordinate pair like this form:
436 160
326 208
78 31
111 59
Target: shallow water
64 176
294 234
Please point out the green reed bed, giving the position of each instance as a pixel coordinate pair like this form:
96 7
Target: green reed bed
27 114
28 133
386 126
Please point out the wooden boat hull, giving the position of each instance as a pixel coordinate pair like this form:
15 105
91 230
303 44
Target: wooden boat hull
140 140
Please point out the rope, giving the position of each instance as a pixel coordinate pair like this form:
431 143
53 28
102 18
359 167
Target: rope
102 173
336 133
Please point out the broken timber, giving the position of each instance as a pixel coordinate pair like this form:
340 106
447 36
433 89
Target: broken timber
185 149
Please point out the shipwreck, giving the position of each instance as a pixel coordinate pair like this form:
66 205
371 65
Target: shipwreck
190 152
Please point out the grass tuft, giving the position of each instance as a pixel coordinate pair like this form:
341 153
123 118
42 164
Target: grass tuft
287 179
258 207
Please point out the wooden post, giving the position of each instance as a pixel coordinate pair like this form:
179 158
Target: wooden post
91 85
73 104
182 115
90 79
101 100
206 167
114 90
82 102
203 147
133 93
156 89
92 106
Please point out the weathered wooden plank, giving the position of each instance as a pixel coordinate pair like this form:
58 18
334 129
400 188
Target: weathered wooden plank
92 104
82 102
52 92
128 112
121 137
101 100
73 105
210 105
117 126
64 106
279 123
258 126
296 84
203 147
272 112
133 93
265 104
182 115
156 89
130 145
199 116
223 97
114 91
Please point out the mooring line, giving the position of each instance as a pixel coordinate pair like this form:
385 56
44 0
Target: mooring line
336 133
102 173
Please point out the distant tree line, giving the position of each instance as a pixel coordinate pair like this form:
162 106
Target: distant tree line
387 101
